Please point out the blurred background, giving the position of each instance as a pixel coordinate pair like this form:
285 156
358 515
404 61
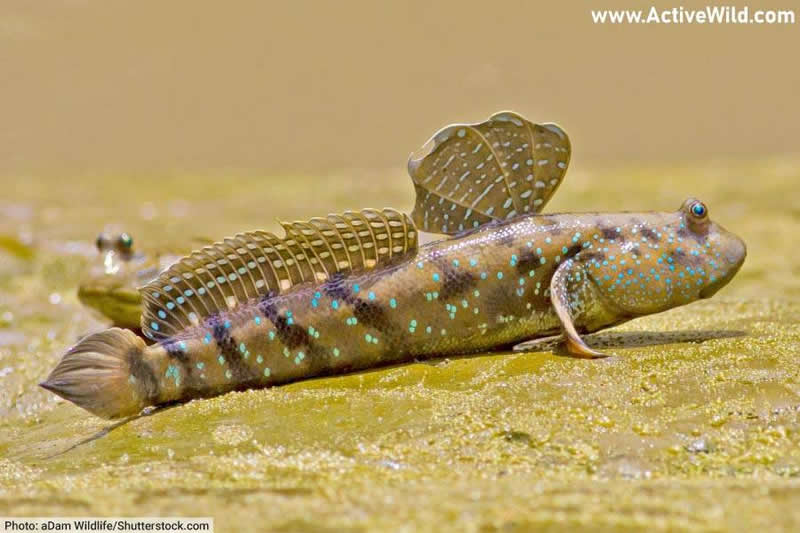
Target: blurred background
184 121
253 87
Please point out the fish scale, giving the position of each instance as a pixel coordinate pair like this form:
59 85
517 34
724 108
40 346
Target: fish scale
498 285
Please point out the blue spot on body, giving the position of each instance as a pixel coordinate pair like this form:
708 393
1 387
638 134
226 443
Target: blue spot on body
172 371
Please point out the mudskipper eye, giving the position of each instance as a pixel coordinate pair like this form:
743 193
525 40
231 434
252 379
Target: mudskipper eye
699 209
101 242
125 241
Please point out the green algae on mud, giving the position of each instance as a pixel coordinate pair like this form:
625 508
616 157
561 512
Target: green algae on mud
692 436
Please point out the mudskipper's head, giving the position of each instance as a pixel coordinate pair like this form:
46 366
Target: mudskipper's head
111 284
652 262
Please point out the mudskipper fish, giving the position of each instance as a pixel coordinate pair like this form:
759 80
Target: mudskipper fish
354 290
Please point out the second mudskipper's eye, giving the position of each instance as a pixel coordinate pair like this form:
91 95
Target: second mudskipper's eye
125 241
102 242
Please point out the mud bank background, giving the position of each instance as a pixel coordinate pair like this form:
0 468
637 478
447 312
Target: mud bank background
179 121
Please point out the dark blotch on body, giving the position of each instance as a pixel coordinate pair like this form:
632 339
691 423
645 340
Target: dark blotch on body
649 234
373 315
176 354
456 283
572 251
528 260
227 346
146 382
292 335
609 233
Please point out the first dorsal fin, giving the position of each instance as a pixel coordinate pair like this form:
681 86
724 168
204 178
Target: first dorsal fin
470 174
249 265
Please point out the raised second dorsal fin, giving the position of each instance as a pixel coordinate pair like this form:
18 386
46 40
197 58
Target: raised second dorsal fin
249 265
470 174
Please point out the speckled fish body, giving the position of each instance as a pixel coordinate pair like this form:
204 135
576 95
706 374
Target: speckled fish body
486 289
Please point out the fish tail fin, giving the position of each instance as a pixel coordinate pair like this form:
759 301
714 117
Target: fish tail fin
96 375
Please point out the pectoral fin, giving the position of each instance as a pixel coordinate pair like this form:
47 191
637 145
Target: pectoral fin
569 275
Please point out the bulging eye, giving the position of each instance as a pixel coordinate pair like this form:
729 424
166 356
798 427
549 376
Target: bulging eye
699 210
125 241
101 242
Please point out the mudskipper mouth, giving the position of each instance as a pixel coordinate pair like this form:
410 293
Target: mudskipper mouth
711 289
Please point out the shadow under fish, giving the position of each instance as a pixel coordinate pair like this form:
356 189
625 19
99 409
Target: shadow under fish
629 339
